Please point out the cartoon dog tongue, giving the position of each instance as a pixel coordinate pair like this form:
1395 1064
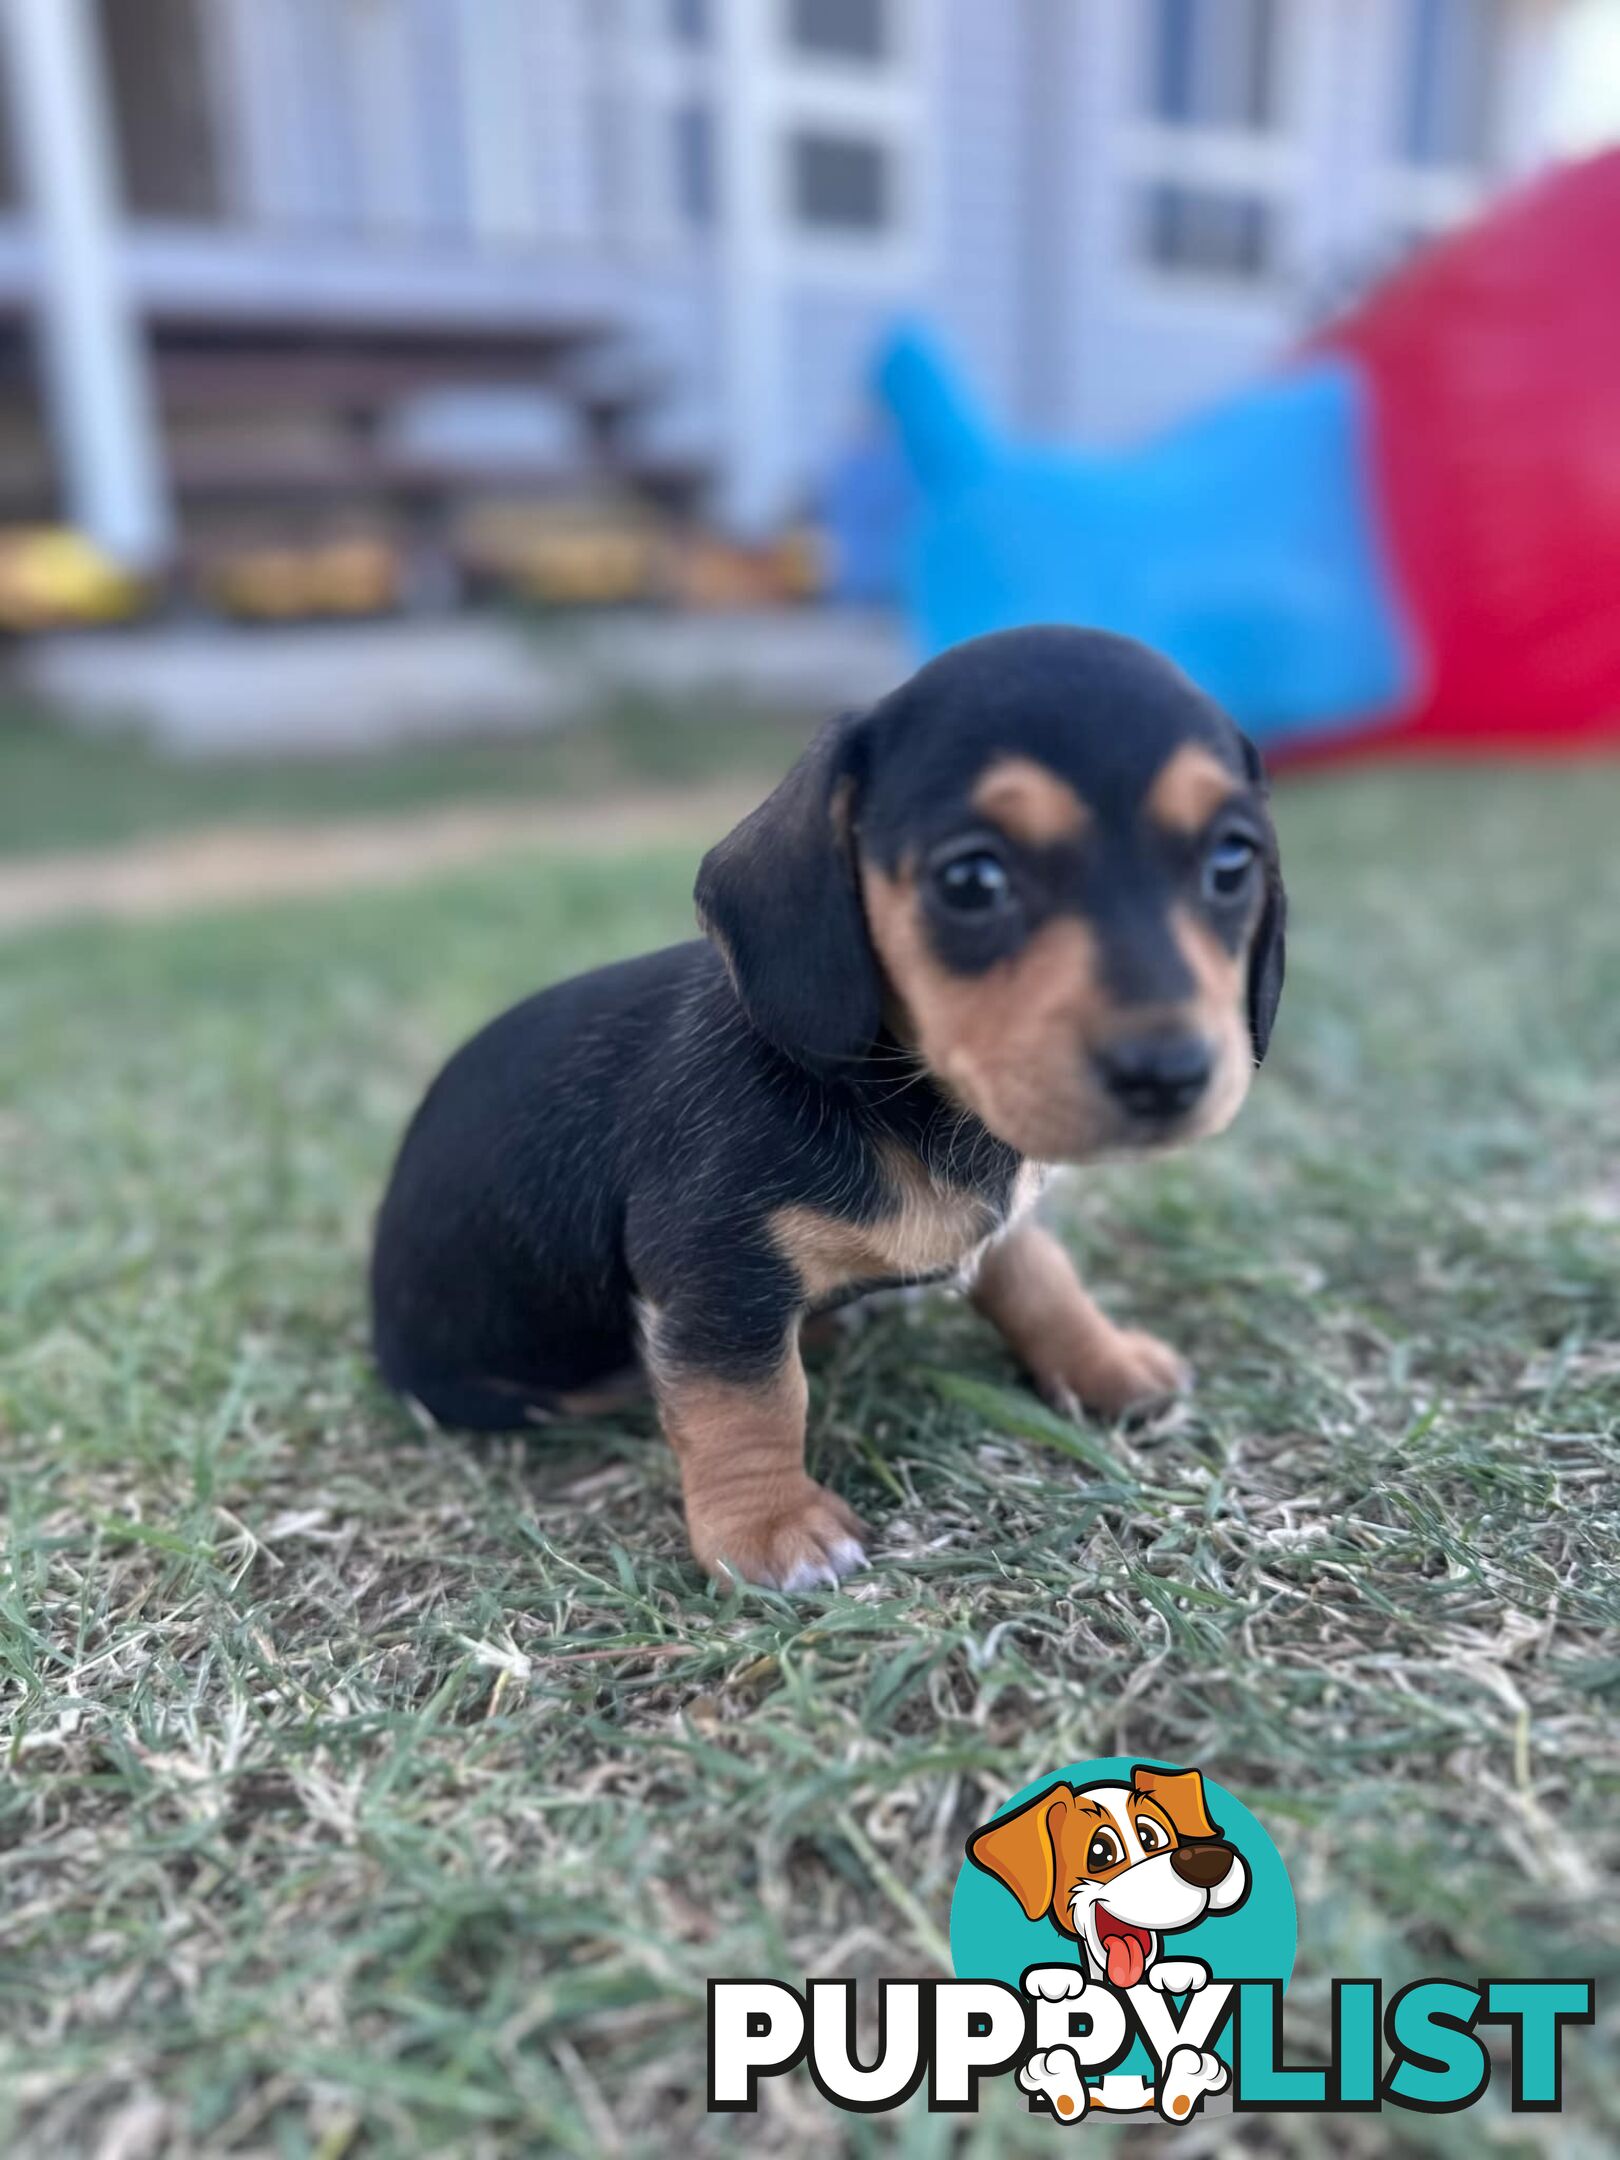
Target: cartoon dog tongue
1127 1959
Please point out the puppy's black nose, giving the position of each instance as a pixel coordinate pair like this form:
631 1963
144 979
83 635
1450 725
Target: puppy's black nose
1155 1076
1202 1865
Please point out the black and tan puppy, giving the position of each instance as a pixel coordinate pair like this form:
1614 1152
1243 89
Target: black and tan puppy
1024 911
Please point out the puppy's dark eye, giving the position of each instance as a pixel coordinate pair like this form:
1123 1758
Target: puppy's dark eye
1228 864
973 883
1103 1851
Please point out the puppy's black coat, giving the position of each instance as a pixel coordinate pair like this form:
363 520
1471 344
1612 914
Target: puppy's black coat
998 917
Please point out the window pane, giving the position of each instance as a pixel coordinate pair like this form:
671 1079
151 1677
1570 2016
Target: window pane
1259 85
689 21
158 78
1170 55
1449 61
693 126
846 29
840 183
1214 232
1213 63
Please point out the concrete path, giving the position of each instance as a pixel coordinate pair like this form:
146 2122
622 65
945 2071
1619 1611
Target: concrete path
216 690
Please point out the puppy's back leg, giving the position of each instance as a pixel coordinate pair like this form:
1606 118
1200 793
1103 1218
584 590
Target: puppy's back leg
752 1510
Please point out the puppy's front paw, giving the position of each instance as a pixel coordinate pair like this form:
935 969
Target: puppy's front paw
804 1541
1125 1374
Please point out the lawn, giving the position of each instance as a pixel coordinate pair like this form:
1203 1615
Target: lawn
65 788
371 1792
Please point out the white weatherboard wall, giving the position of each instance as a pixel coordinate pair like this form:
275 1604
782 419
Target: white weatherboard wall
1138 347
983 166
947 106
1144 344
531 162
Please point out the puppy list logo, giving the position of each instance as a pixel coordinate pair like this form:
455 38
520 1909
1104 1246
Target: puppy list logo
1122 1935
1131 1896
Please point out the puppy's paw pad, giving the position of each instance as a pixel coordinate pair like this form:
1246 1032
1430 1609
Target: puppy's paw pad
1188 2076
1054 1983
1178 1976
807 1543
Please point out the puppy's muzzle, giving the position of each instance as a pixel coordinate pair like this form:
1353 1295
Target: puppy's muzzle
1155 1078
1203 1865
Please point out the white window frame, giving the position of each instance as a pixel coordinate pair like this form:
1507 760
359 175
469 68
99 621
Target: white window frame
886 101
1408 198
655 73
1273 164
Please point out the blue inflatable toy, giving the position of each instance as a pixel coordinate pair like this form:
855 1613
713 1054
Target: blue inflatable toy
1405 539
1242 544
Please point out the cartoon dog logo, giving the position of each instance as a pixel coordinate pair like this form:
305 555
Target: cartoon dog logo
1116 1868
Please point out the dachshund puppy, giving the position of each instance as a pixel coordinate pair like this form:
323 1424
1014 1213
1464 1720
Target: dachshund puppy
1025 911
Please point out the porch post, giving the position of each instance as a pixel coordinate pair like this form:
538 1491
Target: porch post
752 301
92 347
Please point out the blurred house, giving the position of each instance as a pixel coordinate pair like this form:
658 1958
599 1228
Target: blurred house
321 251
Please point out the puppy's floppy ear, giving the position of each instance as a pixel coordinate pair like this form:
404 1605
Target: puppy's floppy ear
1020 1850
779 898
1181 1794
1266 958
1268 951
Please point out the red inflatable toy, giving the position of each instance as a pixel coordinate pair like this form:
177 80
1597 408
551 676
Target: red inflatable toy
1494 368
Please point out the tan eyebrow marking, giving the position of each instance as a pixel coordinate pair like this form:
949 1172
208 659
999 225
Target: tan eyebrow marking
1189 788
1030 803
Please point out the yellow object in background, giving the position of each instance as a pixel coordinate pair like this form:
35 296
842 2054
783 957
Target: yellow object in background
53 578
293 583
605 568
564 554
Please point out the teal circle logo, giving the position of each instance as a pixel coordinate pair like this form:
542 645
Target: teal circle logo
1135 1876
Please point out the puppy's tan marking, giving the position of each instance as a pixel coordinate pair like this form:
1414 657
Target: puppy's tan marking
751 1508
933 1227
1030 803
1027 1288
1189 788
1007 1043
1219 1010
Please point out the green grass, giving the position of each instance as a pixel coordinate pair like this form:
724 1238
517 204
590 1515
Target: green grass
62 788
371 1792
